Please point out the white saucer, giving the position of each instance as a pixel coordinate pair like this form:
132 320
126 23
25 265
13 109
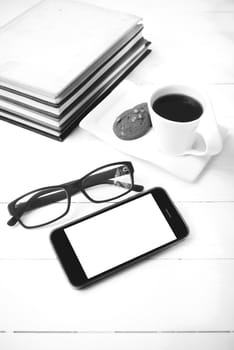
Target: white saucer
100 120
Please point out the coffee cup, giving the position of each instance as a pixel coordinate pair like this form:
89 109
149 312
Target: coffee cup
176 112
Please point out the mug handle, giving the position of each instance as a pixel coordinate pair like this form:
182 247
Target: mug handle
203 146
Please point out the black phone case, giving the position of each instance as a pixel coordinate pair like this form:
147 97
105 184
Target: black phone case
70 261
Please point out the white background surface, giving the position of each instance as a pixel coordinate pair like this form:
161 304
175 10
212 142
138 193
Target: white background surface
180 299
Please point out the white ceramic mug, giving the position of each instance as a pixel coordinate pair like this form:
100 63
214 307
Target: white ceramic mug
176 137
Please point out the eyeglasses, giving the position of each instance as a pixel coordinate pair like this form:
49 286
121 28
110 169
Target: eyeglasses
48 204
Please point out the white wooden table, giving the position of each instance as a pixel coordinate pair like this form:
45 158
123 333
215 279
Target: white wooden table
181 299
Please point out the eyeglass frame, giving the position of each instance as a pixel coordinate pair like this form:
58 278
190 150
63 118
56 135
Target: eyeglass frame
69 188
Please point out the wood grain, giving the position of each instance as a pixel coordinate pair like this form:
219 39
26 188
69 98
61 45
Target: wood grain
211 234
180 299
115 341
157 295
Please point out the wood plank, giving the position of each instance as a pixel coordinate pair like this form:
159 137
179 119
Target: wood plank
211 233
182 299
215 30
218 174
20 243
155 296
116 341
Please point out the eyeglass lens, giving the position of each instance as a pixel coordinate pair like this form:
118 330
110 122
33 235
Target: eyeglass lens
41 207
108 183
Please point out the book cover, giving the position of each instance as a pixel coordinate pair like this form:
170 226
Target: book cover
49 47
76 118
33 103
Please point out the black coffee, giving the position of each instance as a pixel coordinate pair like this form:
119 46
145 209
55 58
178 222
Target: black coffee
178 107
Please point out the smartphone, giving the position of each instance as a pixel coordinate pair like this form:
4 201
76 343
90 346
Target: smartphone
115 237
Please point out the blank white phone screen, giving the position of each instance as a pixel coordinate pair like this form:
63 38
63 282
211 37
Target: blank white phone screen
116 236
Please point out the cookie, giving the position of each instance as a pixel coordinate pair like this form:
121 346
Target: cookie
133 123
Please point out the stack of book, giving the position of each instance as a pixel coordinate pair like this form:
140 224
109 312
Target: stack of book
60 58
